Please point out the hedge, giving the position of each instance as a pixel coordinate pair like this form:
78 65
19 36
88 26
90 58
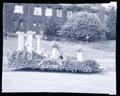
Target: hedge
18 60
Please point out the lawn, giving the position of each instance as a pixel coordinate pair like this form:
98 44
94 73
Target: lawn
108 45
70 47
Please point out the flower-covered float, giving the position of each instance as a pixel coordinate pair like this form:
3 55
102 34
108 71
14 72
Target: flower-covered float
52 61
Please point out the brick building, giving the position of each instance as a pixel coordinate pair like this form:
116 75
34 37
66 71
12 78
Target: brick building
34 17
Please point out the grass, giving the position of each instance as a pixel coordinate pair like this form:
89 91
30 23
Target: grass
68 48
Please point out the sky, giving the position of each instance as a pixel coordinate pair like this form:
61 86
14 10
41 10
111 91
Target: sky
106 5
110 4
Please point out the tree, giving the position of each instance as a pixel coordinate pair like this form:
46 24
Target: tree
51 27
83 24
111 24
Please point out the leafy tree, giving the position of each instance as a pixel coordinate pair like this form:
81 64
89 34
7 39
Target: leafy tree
51 27
111 24
83 24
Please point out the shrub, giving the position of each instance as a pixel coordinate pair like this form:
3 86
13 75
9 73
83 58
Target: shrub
82 24
25 60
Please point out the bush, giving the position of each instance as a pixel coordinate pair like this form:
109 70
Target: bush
25 60
82 24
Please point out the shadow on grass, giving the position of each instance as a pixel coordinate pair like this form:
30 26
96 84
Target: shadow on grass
54 71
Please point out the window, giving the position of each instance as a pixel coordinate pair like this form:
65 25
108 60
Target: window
48 12
69 14
37 11
59 13
18 9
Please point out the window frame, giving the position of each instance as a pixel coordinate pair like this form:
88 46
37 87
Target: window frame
46 9
69 12
17 8
59 12
38 8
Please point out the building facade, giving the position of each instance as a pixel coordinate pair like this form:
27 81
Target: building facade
23 17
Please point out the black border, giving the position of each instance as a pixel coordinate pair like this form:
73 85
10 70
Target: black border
58 1
64 1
